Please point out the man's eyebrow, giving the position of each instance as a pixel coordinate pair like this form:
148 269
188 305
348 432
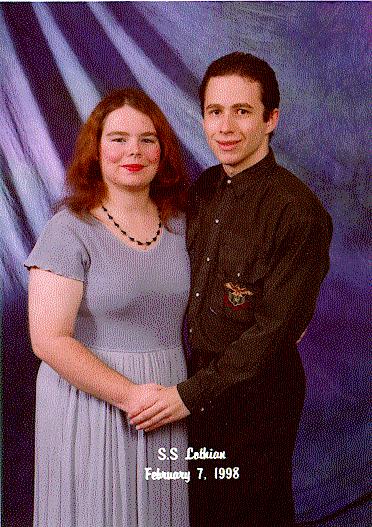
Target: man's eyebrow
242 105
236 105
213 105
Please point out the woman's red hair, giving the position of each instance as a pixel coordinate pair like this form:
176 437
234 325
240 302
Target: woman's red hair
85 186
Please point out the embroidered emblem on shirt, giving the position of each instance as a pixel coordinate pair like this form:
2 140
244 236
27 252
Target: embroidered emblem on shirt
237 297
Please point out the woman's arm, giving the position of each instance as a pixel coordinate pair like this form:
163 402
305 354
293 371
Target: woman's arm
53 305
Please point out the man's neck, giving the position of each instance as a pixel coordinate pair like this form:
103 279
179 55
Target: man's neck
232 170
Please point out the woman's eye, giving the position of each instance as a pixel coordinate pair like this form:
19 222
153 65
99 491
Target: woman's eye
119 139
149 140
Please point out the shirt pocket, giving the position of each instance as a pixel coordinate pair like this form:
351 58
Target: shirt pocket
239 282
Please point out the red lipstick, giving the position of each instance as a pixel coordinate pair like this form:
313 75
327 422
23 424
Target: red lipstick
133 167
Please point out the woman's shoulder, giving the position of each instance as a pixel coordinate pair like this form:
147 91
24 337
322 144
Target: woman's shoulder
66 221
61 248
65 228
65 217
177 224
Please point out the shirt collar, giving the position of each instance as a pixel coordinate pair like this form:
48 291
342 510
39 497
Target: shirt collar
242 182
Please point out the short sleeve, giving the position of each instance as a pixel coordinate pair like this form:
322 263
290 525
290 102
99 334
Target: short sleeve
60 248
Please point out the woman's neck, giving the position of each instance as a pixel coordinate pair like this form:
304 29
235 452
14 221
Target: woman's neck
129 203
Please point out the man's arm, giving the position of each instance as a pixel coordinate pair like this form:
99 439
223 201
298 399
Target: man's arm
298 265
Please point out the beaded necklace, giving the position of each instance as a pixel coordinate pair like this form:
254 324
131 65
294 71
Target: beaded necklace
148 242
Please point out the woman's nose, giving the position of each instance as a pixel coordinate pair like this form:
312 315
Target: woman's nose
134 147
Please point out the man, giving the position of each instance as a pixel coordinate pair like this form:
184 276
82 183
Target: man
258 240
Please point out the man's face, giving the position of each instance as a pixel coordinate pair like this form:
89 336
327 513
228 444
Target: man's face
233 122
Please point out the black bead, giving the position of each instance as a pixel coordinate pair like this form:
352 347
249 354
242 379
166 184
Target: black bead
131 237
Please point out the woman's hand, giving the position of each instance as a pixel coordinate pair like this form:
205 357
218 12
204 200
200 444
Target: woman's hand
139 397
167 408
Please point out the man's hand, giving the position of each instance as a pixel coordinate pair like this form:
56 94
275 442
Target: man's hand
167 409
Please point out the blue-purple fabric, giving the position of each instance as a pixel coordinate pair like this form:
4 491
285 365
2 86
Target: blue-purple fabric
59 58
90 463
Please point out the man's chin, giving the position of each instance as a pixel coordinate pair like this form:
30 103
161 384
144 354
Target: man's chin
227 158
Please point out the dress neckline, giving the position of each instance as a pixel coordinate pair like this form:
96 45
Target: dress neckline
151 248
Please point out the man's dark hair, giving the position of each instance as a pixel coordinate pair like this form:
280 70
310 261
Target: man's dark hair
251 67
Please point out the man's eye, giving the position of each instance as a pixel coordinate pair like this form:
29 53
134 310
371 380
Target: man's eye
214 112
243 111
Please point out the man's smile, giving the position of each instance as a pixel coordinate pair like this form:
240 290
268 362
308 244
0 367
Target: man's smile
227 145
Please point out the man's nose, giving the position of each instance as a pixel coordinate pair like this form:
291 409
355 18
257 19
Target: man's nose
226 123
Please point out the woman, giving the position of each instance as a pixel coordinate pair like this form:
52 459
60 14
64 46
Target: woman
109 280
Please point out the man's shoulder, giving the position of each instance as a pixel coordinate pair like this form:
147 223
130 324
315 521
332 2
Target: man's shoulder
206 181
288 190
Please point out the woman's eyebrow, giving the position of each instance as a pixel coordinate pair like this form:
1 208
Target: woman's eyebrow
119 132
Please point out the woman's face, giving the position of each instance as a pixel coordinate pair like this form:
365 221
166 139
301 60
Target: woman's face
129 150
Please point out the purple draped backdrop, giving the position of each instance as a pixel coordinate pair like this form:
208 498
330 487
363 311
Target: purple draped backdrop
57 59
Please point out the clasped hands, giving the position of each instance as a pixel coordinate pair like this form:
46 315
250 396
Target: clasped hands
150 406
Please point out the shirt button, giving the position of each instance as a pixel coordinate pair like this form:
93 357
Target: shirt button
202 409
216 220
208 259
197 294
190 330
228 181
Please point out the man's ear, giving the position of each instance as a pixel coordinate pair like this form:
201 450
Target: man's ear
272 121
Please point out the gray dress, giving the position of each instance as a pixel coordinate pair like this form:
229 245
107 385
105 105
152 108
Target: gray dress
90 463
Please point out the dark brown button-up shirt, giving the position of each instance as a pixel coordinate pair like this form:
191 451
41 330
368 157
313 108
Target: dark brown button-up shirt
258 244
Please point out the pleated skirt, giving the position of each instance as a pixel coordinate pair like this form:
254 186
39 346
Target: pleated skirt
90 464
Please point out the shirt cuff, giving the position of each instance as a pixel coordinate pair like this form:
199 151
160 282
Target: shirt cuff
191 394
